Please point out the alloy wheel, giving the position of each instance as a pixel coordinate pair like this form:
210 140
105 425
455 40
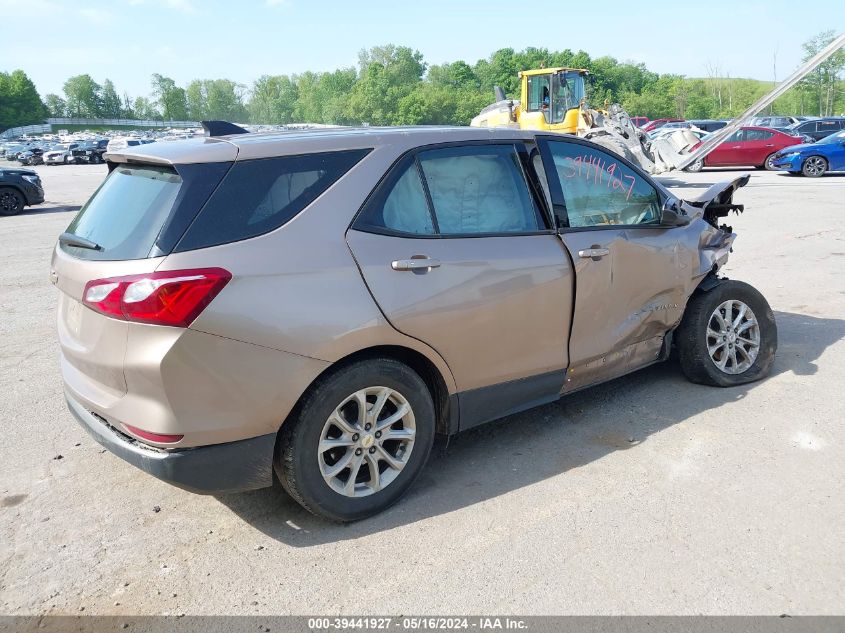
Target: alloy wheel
814 166
733 337
9 202
366 442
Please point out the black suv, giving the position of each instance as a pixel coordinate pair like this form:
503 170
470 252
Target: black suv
818 129
19 188
90 151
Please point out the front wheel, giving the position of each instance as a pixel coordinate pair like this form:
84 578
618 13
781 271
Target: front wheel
814 167
357 441
728 336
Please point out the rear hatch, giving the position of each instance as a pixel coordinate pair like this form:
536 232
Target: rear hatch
127 227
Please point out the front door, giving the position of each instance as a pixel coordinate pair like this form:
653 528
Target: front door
632 274
458 253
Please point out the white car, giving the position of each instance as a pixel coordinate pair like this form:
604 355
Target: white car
60 154
123 142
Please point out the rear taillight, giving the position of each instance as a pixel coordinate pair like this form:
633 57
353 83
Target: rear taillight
173 297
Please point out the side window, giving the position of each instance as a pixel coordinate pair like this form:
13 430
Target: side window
758 135
736 137
401 206
260 195
599 190
479 189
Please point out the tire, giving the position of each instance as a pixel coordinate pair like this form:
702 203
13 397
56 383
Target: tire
768 165
695 166
95 159
695 342
615 145
300 466
11 201
64 160
814 167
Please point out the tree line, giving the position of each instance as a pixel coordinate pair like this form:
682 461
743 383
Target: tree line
393 85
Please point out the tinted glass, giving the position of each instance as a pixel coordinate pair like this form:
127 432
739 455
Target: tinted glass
479 189
126 213
401 206
736 137
258 196
758 135
600 190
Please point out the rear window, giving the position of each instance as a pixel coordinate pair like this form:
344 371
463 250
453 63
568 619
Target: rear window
126 213
258 196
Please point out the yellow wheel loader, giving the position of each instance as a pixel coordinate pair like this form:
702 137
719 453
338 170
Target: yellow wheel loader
554 99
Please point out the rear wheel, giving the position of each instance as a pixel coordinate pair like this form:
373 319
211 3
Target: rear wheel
769 164
695 166
814 167
728 336
358 440
11 201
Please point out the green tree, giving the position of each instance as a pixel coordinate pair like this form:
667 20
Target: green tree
82 95
143 108
20 103
56 106
273 100
822 82
387 74
170 97
110 105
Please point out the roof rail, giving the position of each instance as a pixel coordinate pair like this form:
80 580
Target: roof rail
222 128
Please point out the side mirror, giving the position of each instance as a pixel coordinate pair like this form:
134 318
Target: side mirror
672 215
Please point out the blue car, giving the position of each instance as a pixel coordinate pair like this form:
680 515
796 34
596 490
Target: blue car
813 159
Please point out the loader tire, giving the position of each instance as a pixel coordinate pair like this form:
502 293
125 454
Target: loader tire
615 146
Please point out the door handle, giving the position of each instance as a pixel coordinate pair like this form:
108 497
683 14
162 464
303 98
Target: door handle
595 253
417 263
770 145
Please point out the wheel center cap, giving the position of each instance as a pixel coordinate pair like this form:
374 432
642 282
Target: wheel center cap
732 337
367 441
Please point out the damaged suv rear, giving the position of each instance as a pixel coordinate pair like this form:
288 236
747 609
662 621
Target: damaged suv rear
321 304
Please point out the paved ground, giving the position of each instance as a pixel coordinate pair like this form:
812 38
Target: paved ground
726 501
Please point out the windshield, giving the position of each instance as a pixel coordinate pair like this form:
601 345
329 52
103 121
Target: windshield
58 148
833 138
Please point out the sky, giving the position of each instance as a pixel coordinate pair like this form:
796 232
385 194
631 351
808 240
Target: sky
129 40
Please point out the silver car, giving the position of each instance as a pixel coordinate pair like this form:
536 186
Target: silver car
322 303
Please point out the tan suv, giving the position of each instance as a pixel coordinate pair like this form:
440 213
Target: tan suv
323 303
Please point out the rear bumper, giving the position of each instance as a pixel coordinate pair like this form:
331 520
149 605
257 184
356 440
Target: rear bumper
230 467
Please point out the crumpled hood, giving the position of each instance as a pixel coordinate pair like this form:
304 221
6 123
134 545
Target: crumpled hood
717 200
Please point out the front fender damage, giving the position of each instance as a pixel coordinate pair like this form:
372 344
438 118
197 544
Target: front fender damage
716 241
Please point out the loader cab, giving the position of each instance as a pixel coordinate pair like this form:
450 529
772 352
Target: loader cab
550 98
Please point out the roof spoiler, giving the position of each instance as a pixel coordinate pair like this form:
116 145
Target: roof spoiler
222 128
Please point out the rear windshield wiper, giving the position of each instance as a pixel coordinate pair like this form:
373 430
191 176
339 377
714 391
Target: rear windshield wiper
74 240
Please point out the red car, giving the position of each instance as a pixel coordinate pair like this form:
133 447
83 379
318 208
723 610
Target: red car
639 121
653 125
747 146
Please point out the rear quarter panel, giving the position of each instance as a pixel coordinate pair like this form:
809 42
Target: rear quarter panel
298 289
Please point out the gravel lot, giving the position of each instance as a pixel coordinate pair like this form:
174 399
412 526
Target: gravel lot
647 495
